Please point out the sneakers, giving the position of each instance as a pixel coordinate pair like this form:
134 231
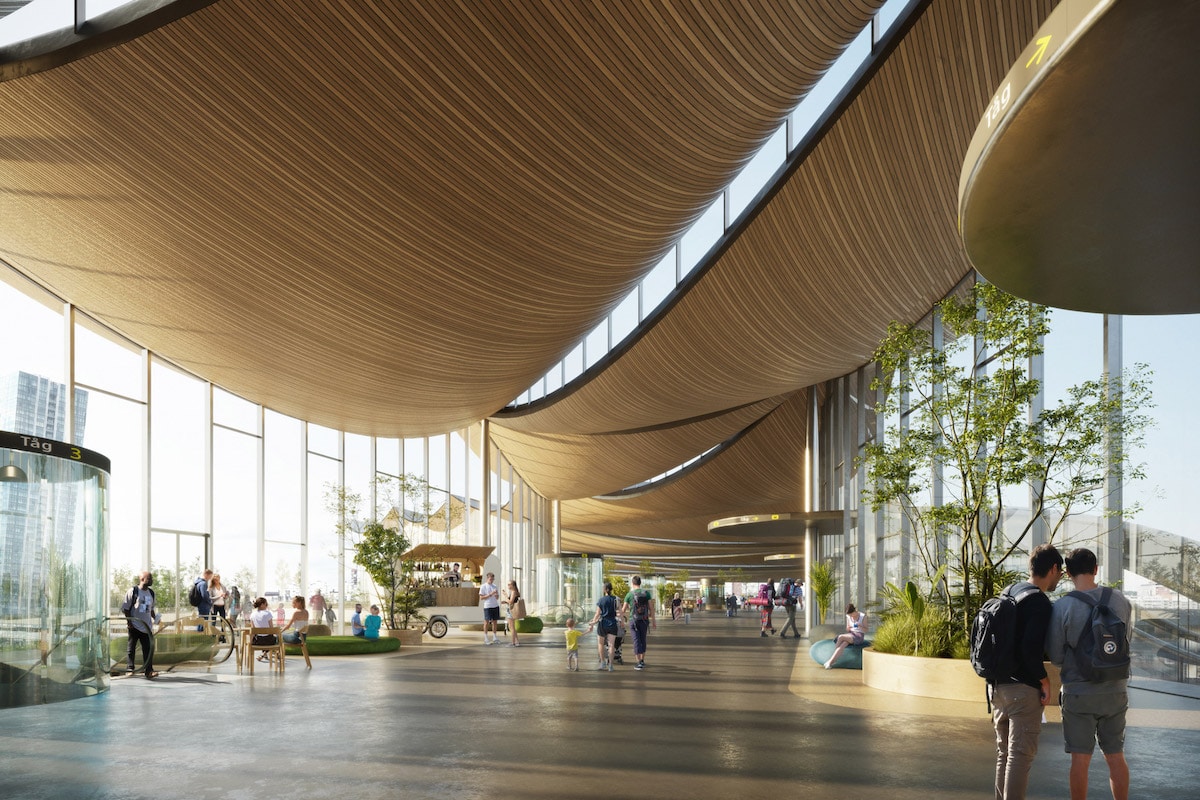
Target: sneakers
603 665
610 666
827 665
762 634
640 665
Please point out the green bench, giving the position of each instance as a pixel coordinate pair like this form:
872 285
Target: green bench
345 646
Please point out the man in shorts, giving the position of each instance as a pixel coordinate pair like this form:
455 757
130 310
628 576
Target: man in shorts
489 594
1091 711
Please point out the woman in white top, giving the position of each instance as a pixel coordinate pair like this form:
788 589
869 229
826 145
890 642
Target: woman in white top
856 632
218 594
299 621
262 617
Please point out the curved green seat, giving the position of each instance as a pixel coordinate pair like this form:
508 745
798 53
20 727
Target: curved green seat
345 646
851 657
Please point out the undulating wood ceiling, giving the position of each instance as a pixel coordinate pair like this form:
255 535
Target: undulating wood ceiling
391 218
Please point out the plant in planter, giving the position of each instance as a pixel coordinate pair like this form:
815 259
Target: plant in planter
971 412
824 583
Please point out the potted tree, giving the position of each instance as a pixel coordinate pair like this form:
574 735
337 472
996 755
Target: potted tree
969 413
825 585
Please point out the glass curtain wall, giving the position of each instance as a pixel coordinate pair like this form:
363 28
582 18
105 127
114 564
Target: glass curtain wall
203 478
1146 523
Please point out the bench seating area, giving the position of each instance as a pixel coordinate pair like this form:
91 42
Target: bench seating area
169 648
345 646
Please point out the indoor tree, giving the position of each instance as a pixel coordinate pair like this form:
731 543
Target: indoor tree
970 411
402 503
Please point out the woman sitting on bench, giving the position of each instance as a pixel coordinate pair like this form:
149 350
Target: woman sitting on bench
856 632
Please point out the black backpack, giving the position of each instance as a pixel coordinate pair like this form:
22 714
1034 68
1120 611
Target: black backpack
1102 652
641 604
194 595
994 633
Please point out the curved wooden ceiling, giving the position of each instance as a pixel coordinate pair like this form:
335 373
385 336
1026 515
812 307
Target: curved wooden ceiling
391 218
863 232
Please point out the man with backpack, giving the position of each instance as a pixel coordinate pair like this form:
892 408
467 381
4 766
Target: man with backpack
787 598
1089 638
1016 673
198 595
142 617
639 608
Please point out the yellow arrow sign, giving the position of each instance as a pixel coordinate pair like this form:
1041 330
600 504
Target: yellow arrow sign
1042 44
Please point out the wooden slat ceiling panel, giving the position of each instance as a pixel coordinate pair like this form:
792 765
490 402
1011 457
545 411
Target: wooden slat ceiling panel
644 547
864 232
760 473
564 466
391 217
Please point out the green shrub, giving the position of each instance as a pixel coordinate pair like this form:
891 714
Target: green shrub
897 633
529 625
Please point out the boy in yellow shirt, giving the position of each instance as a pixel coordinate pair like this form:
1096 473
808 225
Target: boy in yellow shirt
573 637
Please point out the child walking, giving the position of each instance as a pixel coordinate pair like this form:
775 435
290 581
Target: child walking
572 645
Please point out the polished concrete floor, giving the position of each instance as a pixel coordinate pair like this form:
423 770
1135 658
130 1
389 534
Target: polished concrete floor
718 713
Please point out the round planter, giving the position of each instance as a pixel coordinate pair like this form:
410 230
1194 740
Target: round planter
407 636
939 678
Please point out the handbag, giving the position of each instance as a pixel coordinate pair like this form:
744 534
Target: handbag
519 611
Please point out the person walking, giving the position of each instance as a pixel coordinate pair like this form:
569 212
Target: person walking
316 605
511 599
767 609
1018 700
572 636
141 616
1092 710
489 595
788 600
235 605
639 608
606 618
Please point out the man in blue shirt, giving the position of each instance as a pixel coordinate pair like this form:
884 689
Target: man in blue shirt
356 623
